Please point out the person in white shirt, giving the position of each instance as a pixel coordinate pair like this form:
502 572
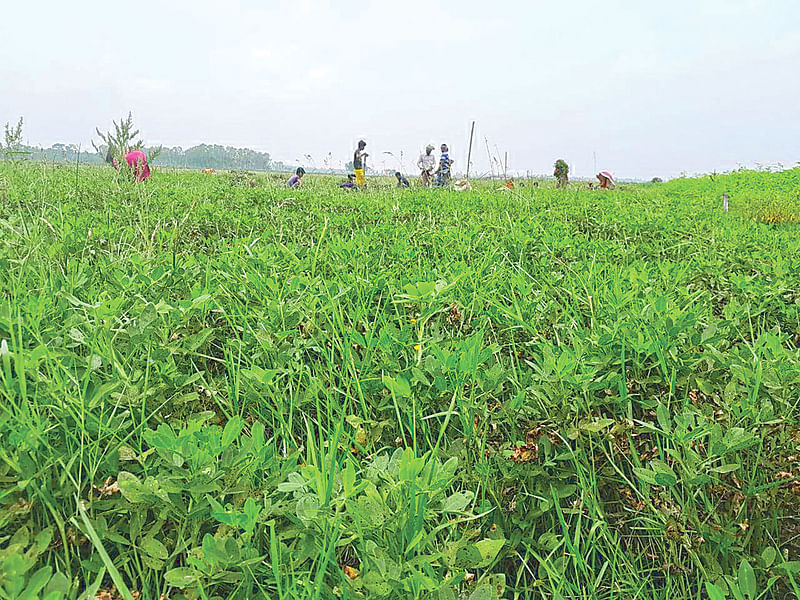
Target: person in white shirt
426 164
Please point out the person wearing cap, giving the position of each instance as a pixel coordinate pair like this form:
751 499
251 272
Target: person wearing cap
606 180
402 182
360 164
296 180
426 164
443 172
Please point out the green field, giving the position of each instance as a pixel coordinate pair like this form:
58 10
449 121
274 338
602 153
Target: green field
215 387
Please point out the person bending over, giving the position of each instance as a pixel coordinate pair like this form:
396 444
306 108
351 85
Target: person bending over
606 180
350 184
136 161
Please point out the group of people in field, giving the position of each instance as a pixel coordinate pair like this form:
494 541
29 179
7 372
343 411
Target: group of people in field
433 172
427 163
430 173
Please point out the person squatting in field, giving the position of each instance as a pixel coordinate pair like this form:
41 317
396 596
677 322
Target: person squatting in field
426 165
402 182
443 172
360 164
350 184
296 180
136 161
606 180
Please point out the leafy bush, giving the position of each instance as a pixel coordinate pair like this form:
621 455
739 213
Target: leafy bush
122 139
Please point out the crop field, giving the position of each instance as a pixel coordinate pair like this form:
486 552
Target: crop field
215 387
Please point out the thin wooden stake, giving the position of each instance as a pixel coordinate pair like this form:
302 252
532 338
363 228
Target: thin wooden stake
489 154
469 152
77 165
505 166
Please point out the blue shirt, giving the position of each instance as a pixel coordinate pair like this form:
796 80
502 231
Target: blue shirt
444 162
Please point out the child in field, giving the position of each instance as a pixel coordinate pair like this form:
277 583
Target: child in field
296 180
360 164
402 182
136 161
443 172
350 183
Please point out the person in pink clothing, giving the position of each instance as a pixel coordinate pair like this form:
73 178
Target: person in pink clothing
606 180
137 163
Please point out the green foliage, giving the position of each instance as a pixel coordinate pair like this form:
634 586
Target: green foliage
20 578
12 148
13 136
121 140
771 198
215 387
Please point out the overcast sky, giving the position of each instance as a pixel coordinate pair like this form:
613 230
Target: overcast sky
653 88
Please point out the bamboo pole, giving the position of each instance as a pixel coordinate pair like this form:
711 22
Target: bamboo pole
469 151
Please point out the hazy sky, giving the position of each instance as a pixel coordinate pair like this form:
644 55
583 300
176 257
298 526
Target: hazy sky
654 88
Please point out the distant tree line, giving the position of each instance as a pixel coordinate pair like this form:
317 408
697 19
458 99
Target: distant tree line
203 156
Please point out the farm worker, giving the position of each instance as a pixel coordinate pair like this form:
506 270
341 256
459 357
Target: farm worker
561 173
443 172
360 164
426 164
350 184
402 182
137 163
296 180
606 180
